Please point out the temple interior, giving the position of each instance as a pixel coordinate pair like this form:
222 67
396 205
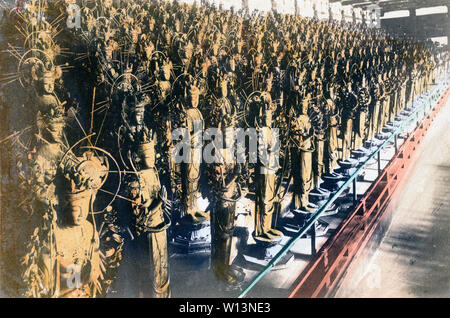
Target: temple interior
157 148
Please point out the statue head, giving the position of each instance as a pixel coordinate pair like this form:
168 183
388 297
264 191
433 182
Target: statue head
108 3
349 86
126 83
267 109
232 65
305 104
302 125
194 95
149 49
335 68
110 48
319 88
139 109
166 70
76 208
224 86
134 189
240 44
81 182
139 113
146 153
332 90
135 32
258 59
48 83
364 82
186 53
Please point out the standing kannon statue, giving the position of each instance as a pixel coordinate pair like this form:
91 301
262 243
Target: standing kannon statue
403 82
224 174
149 242
350 104
364 100
318 121
394 82
50 122
47 102
69 263
332 133
164 85
377 97
302 156
193 229
387 91
191 170
267 198
150 221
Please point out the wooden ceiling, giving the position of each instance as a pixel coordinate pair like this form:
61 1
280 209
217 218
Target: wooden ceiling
392 5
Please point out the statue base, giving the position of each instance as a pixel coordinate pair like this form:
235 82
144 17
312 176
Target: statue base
362 154
295 221
382 135
333 209
192 237
373 144
407 111
231 279
347 166
388 129
400 117
332 181
263 252
318 195
396 123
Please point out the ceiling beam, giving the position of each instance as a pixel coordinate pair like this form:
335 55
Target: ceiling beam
391 5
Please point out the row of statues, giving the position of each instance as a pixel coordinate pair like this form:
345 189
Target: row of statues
109 93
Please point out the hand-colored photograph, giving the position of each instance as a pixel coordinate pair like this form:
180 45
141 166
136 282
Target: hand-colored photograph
224 149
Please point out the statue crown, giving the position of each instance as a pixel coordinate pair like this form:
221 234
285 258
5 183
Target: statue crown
85 176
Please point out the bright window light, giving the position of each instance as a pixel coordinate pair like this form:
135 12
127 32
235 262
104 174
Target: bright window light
443 40
396 14
431 10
